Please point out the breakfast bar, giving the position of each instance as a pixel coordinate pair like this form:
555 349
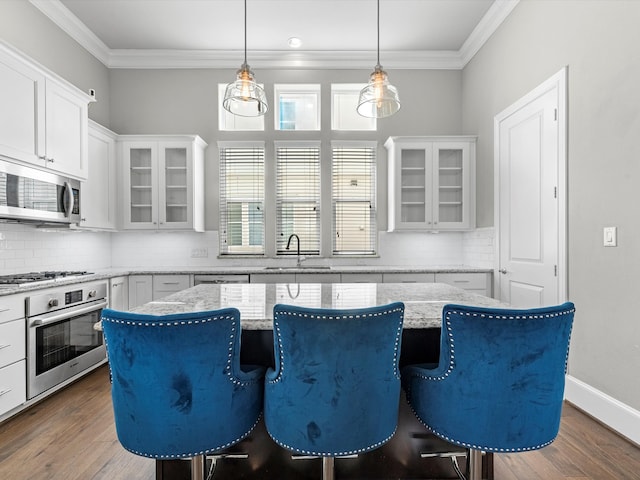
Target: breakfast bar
401 456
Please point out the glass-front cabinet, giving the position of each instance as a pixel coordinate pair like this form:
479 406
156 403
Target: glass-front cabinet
163 185
431 183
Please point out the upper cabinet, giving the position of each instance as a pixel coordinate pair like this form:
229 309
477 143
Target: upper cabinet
98 193
44 120
163 182
431 183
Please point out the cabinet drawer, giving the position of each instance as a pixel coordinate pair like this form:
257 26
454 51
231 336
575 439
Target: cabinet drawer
12 342
13 386
11 308
467 281
361 278
164 285
408 277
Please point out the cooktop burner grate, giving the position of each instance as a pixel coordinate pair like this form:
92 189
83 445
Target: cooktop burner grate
31 277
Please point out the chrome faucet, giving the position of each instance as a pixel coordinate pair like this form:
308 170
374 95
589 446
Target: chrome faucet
299 260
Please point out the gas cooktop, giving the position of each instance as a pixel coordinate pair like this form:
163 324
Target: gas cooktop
18 279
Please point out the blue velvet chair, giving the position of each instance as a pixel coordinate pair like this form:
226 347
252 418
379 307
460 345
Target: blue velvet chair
499 383
178 388
335 389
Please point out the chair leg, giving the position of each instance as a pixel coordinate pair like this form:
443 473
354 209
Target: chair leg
327 468
198 464
475 465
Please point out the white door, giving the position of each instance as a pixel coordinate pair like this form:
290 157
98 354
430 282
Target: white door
531 197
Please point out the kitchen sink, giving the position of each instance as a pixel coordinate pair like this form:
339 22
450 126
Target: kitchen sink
301 267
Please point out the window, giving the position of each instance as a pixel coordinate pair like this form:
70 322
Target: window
353 198
231 122
241 198
297 107
344 100
298 196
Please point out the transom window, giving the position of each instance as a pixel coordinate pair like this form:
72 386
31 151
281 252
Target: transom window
344 100
297 106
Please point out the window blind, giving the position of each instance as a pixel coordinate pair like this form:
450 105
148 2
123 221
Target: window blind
242 198
298 196
354 198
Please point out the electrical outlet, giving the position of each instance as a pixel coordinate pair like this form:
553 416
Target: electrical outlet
199 253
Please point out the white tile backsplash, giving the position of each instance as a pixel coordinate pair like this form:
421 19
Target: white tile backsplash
27 248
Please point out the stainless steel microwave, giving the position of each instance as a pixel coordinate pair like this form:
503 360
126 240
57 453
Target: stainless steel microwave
32 195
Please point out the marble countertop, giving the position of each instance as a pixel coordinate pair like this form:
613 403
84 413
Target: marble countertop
423 301
247 270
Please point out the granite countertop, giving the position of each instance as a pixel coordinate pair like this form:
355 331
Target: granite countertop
247 270
423 301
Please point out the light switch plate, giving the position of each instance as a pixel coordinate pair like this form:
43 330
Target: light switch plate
610 237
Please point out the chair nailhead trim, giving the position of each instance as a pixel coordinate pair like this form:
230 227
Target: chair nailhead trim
234 328
334 454
451 341
278 333
452 365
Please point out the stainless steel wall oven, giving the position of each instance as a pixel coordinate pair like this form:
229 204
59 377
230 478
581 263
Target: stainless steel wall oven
61 338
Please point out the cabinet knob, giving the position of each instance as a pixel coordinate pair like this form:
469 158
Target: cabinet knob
503 271
50 160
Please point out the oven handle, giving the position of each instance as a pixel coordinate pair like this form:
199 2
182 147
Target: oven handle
67 314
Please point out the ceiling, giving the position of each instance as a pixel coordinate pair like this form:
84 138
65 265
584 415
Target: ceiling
334 33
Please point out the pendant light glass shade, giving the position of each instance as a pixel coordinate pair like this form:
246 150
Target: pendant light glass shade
245 97
379 98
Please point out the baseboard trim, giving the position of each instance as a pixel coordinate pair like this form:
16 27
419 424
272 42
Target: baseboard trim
613 413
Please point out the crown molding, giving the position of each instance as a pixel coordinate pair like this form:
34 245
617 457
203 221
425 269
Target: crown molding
167 59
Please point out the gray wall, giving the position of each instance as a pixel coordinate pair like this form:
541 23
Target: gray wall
24 27
185 101
599 42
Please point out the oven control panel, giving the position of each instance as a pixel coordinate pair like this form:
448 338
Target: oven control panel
57 298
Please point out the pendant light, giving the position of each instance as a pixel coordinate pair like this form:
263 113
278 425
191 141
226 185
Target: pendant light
379 98
245 97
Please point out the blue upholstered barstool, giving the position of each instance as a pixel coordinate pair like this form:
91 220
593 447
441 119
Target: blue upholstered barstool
499 383
178 388
335 389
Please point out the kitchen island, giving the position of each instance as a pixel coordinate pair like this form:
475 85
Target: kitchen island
400 457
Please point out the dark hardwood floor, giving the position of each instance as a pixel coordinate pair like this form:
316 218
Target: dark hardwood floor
71 436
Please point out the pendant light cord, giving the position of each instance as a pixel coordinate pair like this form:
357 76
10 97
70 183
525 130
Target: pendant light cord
378 62
245 32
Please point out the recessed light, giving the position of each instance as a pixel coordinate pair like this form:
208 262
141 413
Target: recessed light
294 42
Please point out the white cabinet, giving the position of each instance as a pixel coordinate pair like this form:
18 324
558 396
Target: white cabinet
98 193
44 120
408 277
431 183
13 379
119 293
479 283
164 285
163 182
140 290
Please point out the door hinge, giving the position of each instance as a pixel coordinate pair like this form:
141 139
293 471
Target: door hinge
555 192
555 114
555 270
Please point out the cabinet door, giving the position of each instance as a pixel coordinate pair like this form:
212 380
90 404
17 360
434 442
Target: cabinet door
452 207
140 195
13 386
22 92
98 194
66 131
140 290
119 293
175 184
